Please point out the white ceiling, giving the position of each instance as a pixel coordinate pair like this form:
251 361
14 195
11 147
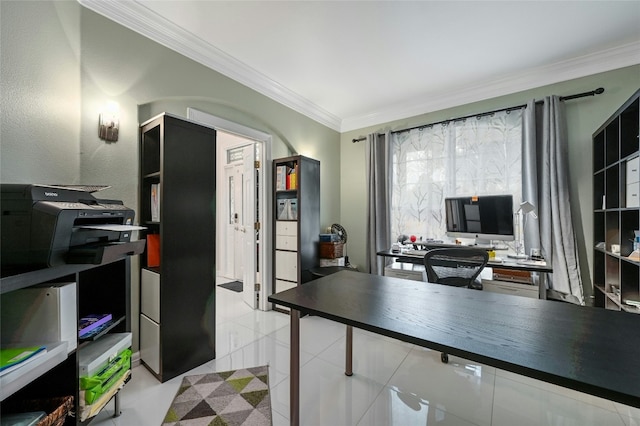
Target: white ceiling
352 64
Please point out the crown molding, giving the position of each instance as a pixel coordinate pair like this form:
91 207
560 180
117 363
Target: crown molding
138 18
135 16
605 60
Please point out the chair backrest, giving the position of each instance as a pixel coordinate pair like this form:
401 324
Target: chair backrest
457 267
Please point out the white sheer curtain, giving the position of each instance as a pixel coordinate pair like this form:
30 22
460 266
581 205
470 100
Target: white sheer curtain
476 156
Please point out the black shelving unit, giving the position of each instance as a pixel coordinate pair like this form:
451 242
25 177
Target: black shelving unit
177 309
616 214
296 221
99 288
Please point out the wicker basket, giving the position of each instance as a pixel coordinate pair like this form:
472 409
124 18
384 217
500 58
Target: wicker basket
331 250
56 408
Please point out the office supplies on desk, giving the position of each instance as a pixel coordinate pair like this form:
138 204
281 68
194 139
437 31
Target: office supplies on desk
414 252
532 262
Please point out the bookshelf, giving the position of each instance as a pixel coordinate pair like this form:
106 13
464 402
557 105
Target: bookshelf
177 277
81 290
616 214
296 223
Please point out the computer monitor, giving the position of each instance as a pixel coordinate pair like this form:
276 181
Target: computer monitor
484 217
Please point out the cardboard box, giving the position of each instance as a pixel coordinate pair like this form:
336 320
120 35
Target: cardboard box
331 250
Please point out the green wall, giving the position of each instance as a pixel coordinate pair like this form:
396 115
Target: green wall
40 87
56 80
60 65
584 116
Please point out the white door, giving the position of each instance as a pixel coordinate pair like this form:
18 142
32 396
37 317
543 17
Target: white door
250 243
228 267
238 236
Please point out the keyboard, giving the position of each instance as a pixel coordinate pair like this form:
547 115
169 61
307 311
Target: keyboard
532 262
414 252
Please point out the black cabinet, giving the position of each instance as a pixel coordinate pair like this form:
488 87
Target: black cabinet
296 224
616 219
177 205
95 289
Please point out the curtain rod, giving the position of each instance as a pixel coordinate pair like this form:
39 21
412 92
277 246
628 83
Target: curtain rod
598 91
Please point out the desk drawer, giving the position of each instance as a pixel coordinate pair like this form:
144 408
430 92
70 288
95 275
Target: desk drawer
288 228
507 287
286 265
286 242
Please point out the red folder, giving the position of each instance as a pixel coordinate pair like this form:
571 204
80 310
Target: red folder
153 250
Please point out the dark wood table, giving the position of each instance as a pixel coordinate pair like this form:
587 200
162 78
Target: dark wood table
581 348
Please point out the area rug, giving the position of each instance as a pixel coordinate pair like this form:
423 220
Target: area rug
237 397
233 285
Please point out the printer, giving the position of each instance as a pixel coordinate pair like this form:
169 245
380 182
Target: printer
51 225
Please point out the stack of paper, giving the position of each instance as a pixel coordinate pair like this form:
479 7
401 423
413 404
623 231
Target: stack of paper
12 358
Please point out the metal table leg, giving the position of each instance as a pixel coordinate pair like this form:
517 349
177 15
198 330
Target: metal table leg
294 366
349 355
542 285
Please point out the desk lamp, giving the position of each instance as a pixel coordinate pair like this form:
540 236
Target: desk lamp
525 208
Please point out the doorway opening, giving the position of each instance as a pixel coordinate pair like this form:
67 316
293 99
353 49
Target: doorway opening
242 203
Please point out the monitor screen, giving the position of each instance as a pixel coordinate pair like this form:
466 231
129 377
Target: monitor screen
484 217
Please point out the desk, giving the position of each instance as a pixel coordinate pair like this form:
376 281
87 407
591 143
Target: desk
540 269
577 347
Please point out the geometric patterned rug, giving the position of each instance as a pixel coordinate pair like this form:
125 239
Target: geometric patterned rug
230 398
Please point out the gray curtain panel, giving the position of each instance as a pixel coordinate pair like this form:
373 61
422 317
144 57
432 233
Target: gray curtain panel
378 169
545 169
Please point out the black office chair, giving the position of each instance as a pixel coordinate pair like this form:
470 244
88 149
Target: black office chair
458 267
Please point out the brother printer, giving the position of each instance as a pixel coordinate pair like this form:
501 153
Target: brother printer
50 225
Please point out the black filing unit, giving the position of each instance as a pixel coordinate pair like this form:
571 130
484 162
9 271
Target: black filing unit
616 218
177 280
296 221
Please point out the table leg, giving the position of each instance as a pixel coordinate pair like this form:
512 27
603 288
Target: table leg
542 286
294 369
349 355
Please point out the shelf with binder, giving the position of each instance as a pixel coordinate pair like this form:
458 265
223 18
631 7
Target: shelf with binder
616 212
286 208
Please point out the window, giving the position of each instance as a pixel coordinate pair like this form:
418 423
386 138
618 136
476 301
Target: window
476 156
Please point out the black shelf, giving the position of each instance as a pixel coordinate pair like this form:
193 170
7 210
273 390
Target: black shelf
296 239
99 288
615 145
180 156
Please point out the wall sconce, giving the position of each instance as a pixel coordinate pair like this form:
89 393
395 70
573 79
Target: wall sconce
109 123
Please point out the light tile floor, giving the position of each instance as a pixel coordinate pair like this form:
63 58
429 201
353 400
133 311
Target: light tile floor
395 383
